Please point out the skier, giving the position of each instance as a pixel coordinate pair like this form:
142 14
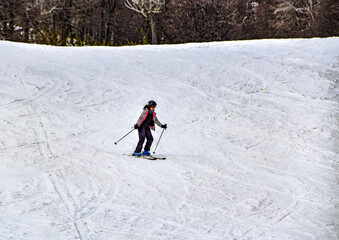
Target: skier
144 125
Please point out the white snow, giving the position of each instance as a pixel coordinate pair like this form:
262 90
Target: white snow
252 141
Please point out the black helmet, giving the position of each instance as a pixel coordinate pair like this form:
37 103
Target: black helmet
152 103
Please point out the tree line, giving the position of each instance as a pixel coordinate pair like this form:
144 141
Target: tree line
127 22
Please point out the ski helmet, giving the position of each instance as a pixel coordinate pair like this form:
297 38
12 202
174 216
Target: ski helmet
152 103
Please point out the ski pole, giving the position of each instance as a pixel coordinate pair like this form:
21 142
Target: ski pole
159 141
124 136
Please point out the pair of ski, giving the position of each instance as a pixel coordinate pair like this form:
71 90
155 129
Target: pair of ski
147 157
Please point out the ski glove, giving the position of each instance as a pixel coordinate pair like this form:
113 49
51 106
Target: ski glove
136 126
164 126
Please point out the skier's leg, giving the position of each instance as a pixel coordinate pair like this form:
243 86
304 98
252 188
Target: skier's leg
142 135
149 138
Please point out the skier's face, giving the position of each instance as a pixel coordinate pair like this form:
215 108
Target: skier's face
152 108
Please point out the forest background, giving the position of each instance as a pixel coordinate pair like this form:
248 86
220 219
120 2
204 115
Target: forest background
130 22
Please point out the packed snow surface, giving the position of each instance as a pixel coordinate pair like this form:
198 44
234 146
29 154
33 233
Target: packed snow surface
251 145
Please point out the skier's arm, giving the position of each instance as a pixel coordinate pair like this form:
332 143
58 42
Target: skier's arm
159 123
142 117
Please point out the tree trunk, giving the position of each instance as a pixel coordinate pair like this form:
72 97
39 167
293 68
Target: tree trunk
102 23
154 30
26 30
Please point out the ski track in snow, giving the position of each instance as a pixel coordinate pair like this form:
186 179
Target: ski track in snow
252 144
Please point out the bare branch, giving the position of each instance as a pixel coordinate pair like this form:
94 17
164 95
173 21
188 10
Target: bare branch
135 7
51 10
146 7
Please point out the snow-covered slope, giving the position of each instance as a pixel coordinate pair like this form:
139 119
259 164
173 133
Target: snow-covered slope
251 145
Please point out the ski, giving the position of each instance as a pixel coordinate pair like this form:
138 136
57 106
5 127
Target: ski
153 158
147 157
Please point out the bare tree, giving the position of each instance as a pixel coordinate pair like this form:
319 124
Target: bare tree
295 17
149 9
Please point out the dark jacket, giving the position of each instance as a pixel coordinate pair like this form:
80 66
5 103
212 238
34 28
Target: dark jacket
143 117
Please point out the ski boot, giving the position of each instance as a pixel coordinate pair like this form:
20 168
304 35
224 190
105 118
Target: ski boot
135 154
146 153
